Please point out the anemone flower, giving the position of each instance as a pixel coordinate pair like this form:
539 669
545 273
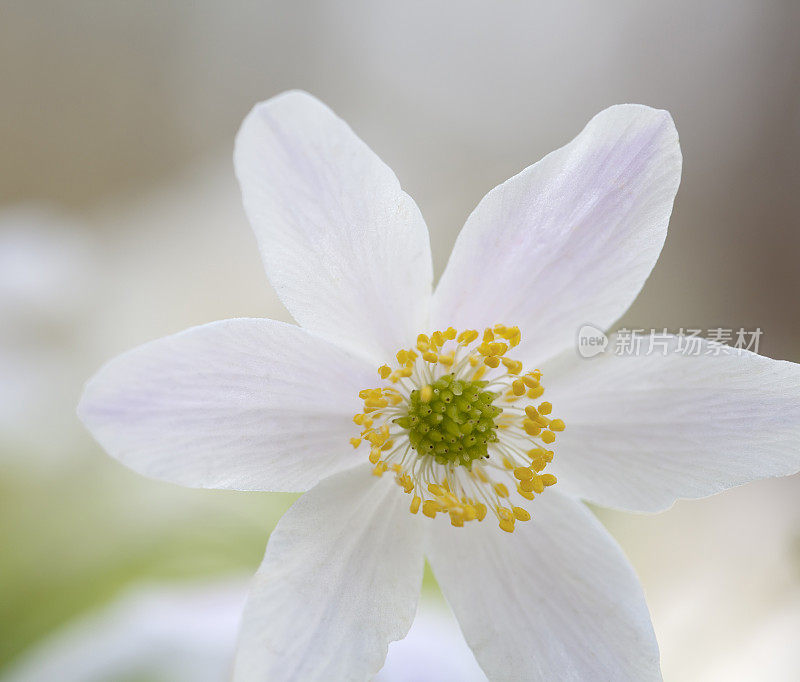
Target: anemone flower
414 420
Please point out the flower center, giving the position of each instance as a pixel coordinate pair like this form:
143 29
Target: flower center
457 423
451 420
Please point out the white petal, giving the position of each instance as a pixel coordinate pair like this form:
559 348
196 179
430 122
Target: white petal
248 404
345 248
571 239
555 600
644 430
340 580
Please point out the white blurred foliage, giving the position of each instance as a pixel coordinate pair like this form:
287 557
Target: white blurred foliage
47 275
188 634
175 634
45 271
434 649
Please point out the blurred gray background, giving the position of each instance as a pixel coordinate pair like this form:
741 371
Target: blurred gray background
120 220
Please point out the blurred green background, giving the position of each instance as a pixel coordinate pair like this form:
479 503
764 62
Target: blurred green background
120 221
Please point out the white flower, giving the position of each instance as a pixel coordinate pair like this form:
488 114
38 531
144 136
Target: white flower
254 404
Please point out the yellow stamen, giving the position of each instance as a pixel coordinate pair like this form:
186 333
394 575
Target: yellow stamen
454 424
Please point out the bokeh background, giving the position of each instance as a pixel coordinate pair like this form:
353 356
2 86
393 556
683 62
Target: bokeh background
120 221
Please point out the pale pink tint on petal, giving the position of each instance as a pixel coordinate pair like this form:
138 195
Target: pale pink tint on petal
569 240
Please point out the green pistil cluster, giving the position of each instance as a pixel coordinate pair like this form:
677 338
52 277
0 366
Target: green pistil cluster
452 420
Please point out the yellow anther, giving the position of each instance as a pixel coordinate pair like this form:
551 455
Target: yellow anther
518 387
501 489
557 425
426 393
415 502
513 366
456 519
498 348
450 333
538 484
451 500
521 514
548 437
491 361
507 526
467 337
437 339
374 455
480 511
523 473
484 349
430 507
531 427
380 467
538 464
527 485
447 360
479 373
430 356
377 439
535 392
504 513
530 382
525 493
355 442
548 479
545 408
488 335
437 490
384 371
532 412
